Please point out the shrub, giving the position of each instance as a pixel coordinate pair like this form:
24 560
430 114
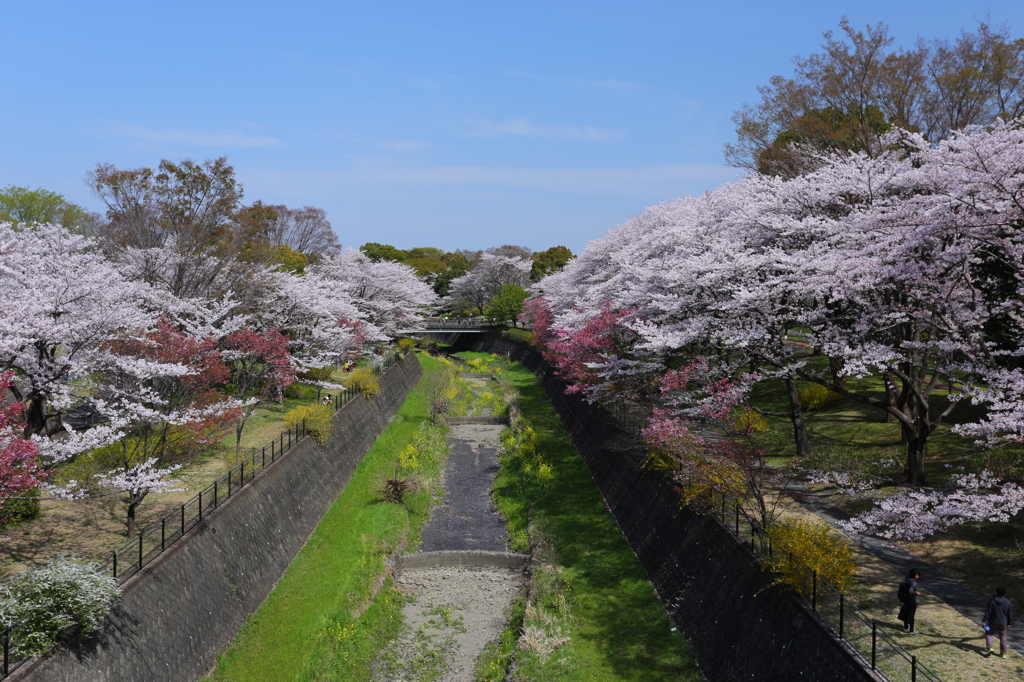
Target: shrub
817 397
14 511
364 381
300 391
750 421
317 420
57 601
801 547
406 345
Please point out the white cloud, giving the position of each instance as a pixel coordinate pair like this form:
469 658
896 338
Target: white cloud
521 126
228 138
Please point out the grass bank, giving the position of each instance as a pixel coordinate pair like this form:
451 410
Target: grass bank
592 615
334 607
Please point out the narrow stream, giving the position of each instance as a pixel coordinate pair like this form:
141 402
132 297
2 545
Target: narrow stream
453 611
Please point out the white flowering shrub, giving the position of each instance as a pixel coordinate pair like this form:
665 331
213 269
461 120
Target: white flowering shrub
64 598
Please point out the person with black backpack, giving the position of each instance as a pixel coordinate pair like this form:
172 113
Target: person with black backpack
909 594
998 616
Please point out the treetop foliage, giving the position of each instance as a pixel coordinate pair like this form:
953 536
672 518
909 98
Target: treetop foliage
859 86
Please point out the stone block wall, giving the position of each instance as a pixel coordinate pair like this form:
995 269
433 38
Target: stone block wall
190 603
740 627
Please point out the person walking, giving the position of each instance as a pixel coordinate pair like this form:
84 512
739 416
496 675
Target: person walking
909 594
998 616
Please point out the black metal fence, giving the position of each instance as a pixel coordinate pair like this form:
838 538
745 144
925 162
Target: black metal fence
150 542
868 640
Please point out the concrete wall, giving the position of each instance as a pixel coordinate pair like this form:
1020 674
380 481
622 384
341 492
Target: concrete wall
191 602
712 587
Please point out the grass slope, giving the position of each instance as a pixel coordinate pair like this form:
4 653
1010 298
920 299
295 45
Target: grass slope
619 630
306 629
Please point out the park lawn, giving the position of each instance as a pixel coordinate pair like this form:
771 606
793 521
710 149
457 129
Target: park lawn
618 628
322 622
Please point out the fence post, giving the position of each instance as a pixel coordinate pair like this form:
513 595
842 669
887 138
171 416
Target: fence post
115 564
913 669
229 483
183 516
842 602
272 455
263 453
163 533
874 642
140 551
7 647
241 475
215 494
751 536
814 590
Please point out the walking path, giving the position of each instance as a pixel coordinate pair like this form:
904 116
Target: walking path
954 593
457 581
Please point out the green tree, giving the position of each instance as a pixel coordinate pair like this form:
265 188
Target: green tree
427 267
458 265
507 303
825 129
547 262
378 252
859 80
24 205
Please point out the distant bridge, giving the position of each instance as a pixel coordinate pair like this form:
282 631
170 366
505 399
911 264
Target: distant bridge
439 325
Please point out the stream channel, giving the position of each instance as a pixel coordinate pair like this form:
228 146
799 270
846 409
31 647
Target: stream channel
458 582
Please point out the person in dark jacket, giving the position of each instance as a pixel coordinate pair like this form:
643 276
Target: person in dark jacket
909 608
998 616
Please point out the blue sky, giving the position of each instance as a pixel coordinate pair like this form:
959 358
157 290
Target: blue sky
448 124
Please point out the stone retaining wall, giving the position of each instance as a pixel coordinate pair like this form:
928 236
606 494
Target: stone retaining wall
191 602
740 627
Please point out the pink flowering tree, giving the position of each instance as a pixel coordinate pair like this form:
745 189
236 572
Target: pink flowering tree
712 441
20 469
260 369
185 415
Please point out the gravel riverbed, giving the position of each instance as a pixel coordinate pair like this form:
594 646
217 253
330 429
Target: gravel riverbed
452 613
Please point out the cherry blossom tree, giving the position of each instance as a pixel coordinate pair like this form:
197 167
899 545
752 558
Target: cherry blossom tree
186 415
919 513
387 296
63 304
489 274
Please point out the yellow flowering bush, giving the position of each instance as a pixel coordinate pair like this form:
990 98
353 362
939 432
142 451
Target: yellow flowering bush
817 397
799 547
317 420
364 381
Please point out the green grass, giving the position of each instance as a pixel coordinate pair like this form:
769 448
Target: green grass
618 629
322 621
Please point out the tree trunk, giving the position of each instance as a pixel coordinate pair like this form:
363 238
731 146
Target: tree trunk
796 414
131 519
917 450
835 366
